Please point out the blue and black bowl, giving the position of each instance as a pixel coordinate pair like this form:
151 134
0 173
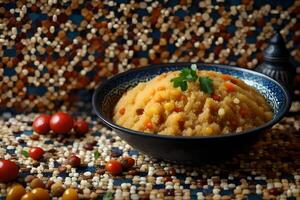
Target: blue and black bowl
188 148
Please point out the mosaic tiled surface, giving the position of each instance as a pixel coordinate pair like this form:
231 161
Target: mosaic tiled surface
271 169
54 52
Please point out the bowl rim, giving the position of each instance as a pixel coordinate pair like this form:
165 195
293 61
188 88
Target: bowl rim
108 122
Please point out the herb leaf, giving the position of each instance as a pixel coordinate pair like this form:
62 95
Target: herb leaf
186 74
96 155
108 196
179 82
206 84
190 74
183 86
25 153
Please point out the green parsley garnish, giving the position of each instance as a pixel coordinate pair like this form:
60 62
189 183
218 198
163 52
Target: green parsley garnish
190 74
25 153
186 74
206 84
96 155
108 196
179 82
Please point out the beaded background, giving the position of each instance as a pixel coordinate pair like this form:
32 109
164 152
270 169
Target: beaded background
54 53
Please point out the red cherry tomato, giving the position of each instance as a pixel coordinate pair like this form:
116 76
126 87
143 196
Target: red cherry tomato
8 171
61 122
36 153
114 167
127 163
74 161
41 124
81 127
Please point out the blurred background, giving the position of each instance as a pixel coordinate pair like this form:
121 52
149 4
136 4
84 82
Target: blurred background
54 53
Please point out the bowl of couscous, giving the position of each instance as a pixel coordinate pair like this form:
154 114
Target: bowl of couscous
190 112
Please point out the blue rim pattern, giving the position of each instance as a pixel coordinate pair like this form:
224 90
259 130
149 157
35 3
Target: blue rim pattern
107 94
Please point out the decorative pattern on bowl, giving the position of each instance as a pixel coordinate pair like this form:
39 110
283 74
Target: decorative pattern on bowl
186 148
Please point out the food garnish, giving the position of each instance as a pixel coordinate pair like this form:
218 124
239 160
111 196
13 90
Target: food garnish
190 75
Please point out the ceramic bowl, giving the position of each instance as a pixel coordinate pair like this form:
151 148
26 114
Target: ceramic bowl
188 148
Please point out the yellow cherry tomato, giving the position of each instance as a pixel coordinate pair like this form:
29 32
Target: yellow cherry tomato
70 194
16 192
40 194
28 196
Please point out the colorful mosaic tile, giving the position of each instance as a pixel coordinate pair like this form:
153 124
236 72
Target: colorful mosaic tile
54 53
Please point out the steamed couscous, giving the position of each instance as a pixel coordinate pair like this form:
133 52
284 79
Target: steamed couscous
159 106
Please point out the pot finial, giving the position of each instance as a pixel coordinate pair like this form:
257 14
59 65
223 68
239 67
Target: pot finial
277 63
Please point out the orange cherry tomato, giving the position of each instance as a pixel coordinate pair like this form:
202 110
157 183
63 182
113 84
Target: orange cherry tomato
16 192
70 194
29 196
40 193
